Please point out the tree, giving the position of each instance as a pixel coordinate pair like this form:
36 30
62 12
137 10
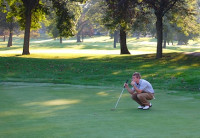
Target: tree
182 24
120 14
82 23
95 13
64 24
67 16
161 7
144 23
52 29
2 24
30 12
8 22
126 15
90 19
186 22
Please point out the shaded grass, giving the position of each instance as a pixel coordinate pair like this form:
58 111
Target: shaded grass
173 71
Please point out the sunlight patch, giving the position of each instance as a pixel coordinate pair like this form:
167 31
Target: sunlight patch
42 41
60 102
54 102
102 94
10 113
116 73
195 65
146 66
182 67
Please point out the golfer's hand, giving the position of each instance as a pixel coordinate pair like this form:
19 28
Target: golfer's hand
126 85
132 83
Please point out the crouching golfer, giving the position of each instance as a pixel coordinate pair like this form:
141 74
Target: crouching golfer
141 92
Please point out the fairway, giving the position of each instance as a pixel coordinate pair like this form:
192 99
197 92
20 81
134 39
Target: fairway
75 111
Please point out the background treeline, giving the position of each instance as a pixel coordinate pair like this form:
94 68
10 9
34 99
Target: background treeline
166 20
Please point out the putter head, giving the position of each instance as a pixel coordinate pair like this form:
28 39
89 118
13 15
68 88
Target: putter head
113 109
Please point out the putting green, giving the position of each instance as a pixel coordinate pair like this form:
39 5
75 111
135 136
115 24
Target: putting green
57 110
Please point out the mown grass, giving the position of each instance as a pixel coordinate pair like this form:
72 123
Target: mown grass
52 110
100 43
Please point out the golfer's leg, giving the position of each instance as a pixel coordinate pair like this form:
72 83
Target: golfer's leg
144 97
135 98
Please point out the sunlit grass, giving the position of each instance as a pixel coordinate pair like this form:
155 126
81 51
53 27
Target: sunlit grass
94 45
54 102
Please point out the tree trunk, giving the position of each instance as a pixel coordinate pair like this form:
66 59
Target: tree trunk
4 38
10 39
27 33
180 42
138 35
159 31
60 39
116 38
165 39
78 38
82 37
123 46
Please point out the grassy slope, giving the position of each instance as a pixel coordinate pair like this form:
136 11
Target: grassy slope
174 71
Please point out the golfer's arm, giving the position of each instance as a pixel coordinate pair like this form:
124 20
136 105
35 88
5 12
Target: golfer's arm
130 90
137 90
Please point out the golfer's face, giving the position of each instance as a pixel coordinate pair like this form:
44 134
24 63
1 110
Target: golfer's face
135 79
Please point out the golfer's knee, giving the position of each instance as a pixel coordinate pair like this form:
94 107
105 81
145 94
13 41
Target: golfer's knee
133 96
139 96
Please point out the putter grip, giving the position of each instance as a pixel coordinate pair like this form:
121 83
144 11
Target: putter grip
126 82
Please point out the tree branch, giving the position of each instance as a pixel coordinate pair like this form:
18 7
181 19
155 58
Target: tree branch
173 2
152 4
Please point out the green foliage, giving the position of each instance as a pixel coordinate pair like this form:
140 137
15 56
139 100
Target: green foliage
144 21
18 10
95 12
2 20
52 29
66 17
182 21
120 14
66 14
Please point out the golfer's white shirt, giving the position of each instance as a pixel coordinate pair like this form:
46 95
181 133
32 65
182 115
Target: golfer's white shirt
144 86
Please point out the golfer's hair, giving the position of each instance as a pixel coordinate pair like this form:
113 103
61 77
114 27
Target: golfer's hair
137 74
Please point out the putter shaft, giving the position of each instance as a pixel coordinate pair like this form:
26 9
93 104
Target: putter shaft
119 98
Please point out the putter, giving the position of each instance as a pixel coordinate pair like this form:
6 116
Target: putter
119 98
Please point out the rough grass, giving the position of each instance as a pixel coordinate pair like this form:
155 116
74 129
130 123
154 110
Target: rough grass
174 71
